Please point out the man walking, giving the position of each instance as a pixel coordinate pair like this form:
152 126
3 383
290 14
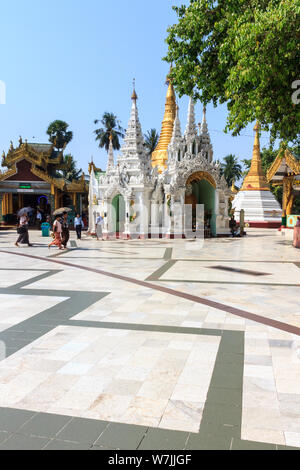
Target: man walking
99 225
79 225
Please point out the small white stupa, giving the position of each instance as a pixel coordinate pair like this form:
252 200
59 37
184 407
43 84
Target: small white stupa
260 205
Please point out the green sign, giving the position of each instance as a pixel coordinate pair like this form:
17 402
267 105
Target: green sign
25 186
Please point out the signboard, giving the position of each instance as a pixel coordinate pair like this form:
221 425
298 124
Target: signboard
291 220
25 186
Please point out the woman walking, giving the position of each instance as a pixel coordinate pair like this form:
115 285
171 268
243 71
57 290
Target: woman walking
23 231
57 229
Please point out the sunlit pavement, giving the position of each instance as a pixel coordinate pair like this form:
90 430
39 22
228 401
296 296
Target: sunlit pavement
155 344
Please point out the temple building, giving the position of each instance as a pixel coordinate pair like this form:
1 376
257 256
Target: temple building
140 195
255 197
31 179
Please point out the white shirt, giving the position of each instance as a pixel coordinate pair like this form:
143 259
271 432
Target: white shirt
78 221
58 225
99 220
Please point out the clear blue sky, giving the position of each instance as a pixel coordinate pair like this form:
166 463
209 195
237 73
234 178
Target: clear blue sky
73 60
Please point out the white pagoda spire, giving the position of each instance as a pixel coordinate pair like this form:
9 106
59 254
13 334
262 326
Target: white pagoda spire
204 127
134 140
111 160
191 130
205 137
177 136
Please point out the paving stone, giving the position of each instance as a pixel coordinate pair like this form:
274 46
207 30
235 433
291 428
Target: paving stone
225 396
63 445
287 447
19 442
11 420
4 436
238 444
45 425
223 415
196 442
82 431
122 436
160 439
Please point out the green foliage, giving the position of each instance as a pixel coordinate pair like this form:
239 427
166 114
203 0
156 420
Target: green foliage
231 169
151 141
245 53
70 171
247 164
58 134
111 126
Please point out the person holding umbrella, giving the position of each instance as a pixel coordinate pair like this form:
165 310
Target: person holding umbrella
57 230
62 213
65 236
22 229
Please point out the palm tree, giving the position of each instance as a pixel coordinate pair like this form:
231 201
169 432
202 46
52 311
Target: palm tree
111 126
231 169
151 141
58 134
70 171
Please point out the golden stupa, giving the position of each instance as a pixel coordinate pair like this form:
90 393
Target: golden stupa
256 179
160 154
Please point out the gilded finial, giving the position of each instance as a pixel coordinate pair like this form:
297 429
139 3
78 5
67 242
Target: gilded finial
134 95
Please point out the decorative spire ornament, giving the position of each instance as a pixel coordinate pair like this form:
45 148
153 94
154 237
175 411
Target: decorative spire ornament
191 131
204 127
177 136
134 139
111 160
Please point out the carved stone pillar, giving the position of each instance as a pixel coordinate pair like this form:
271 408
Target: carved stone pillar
106 219
155 225
127 218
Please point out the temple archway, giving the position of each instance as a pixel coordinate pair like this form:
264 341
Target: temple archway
118 214
201 189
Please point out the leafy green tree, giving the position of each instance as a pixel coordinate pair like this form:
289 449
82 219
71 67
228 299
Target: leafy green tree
70 171
244 53
59 135
151 141
111 126
231 169
247 164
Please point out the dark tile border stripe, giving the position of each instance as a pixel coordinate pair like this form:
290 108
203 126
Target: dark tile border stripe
161 271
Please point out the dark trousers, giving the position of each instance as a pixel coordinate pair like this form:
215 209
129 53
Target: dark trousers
24 237
78 231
